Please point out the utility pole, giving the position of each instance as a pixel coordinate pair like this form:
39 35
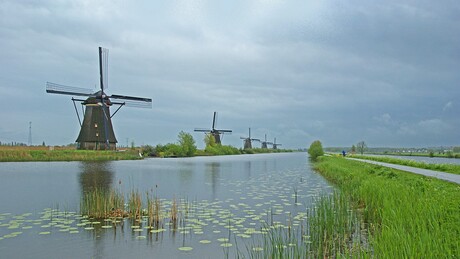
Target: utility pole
29 142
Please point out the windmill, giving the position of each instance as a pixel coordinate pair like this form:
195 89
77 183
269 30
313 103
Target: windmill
265 143
275 145
214 132
248 140
96 130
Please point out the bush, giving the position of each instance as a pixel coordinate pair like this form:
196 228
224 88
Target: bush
222 150
315 150
187 144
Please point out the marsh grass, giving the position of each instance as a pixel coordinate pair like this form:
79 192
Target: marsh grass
106 204
100 203
406 215
23 155
154 212
331 230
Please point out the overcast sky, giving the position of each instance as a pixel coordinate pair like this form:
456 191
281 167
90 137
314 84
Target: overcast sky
386 72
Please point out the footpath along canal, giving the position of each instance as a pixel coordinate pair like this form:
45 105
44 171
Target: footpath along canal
431 173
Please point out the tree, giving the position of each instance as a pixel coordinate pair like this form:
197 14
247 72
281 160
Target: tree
187 144
353 149
361 146
315 150
209 140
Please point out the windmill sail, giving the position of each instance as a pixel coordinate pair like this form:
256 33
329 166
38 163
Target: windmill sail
53 88
96 131
104 67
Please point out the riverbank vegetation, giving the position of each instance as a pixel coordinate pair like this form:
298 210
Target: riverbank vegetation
315 150
186 147
405 215
25 154
447 168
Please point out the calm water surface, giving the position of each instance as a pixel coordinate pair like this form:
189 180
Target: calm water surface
228 197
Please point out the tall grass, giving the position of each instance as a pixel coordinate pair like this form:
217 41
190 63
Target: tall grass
332 230
65 155
102 203
407 215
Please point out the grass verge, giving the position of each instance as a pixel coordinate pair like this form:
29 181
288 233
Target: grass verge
65 155
406 215
447 168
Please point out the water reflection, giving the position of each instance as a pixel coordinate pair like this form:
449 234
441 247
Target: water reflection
247 169
213 175
95 175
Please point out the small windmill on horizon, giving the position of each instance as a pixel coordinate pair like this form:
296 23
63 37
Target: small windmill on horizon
265 143
213 131
248 140
96 131
275 145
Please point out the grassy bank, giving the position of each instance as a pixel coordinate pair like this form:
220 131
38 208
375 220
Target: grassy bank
24 155
406 215
448 168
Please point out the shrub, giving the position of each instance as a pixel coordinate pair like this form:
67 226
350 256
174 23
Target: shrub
187 144
315 150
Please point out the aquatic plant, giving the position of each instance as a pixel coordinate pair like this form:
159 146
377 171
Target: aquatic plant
102 203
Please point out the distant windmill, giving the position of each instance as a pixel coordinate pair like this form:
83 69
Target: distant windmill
265 143
275 145
248 140
214 132
96 130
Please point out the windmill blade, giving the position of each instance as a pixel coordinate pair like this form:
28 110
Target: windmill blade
225 131
214 120
132 101
255 139
201 130
104 67
53 88
135 104
130 98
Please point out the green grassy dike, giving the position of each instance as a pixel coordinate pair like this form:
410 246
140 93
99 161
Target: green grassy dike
405 215
65 155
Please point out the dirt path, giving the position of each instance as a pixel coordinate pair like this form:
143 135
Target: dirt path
455 178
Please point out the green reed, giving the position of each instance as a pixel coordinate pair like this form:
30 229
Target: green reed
102 203
406 215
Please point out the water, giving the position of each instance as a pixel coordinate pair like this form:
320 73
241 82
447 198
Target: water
230 197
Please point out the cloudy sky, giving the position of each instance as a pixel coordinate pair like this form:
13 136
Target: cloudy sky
386 72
